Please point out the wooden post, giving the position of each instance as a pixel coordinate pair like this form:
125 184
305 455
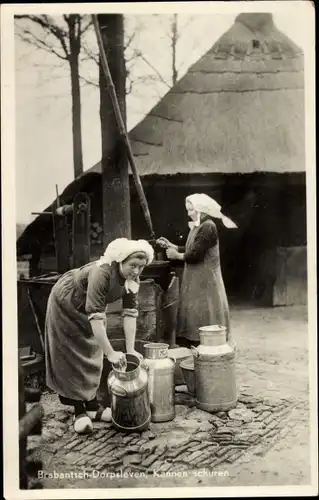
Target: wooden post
81 230
122 126
61 239
115 174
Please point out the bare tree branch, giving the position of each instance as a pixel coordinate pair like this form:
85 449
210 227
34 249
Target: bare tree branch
90 55
40 44
129 41
139 54
89 82
182 29
53 29
70 41
129 86
86 27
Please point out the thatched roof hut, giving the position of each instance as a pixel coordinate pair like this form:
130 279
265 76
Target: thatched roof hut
232 127
239 109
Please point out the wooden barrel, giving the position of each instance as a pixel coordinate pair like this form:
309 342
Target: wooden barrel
150 318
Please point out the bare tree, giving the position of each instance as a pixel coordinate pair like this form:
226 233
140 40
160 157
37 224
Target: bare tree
62 38
115 172
174 39
90 53
174 33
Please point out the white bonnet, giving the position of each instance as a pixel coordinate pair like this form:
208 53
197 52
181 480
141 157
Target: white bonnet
121 248
204 204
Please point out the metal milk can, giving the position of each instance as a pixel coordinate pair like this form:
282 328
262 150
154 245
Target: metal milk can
161 381
130 404
215 377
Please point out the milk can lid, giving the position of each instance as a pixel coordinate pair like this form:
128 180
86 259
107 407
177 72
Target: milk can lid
212 328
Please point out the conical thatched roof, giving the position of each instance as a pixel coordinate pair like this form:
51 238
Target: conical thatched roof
239 109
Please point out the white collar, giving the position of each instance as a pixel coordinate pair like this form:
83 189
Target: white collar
193 224
131 286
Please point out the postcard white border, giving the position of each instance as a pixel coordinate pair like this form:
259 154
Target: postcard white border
306 12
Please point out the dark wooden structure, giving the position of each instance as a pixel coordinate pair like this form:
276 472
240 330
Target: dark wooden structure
269 208
30 423
231 127
81 230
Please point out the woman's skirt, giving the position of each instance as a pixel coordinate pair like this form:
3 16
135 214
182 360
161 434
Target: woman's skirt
203 300
74 360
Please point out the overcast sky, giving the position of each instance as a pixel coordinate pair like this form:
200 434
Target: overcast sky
43 104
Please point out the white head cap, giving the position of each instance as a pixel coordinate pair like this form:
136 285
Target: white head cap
121 248
204 204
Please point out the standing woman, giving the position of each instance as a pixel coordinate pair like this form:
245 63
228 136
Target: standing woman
203 299
76 326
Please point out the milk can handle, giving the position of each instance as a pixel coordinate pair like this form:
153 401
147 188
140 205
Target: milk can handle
172 358
194 351
118 390
144 365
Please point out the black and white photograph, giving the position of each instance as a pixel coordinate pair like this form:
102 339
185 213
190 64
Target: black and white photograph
159 249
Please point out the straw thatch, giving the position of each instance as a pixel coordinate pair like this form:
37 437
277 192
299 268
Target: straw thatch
239 109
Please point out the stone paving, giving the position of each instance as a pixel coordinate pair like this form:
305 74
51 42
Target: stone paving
267 443
194 439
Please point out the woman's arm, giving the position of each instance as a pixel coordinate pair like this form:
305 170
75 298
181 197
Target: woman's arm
130 314
99 332
95 307
165 243
129 327
205 238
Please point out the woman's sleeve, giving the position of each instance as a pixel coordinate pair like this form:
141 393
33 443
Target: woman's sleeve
205 238
181 249
98 284
130 304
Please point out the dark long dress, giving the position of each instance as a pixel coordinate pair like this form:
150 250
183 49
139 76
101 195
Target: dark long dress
74 359
203 299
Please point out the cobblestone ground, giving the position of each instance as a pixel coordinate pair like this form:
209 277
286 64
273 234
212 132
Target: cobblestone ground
264 441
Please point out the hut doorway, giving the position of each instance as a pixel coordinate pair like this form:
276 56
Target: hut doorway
272 219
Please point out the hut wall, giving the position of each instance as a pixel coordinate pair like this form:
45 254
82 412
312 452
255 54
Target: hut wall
290 286
276 220
270 210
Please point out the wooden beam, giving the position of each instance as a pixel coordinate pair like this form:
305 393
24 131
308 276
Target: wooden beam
61 240
81 230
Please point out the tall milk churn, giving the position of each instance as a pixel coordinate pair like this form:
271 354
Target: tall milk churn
130 404
161 383
215 376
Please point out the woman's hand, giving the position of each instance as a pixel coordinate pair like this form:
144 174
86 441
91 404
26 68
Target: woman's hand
140 357
172 253
117 358
165 243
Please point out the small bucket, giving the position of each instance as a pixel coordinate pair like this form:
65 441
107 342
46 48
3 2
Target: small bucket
188 369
